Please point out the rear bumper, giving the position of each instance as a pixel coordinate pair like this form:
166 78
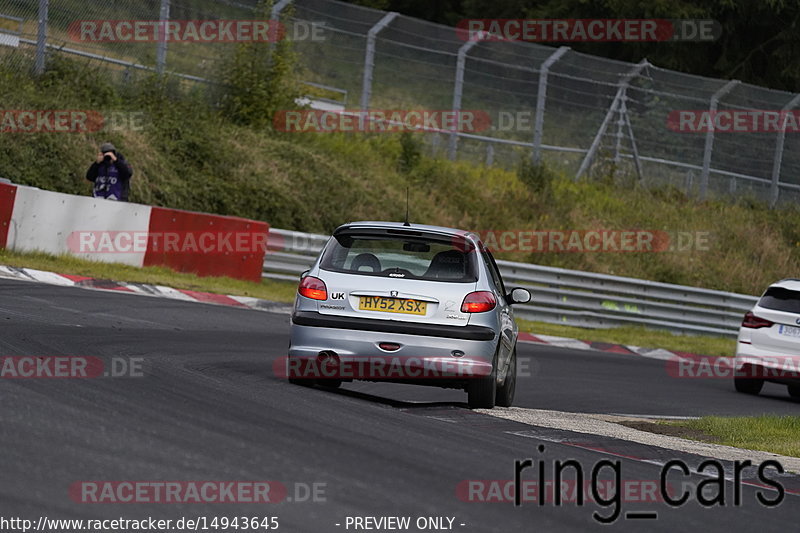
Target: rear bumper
313 319
777 366
422 359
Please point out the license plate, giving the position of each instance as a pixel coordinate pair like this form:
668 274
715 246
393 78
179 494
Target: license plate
392 305
789 331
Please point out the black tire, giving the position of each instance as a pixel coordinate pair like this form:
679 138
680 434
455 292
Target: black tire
303 382
506 391
482 392
794 391
330 383
748 385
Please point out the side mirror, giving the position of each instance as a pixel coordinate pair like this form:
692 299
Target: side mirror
519 296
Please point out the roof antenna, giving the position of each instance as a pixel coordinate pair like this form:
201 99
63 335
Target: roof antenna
406 223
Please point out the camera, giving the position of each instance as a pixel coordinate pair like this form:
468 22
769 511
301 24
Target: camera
107 157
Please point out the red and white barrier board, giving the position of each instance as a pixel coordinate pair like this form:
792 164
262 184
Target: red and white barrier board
118 232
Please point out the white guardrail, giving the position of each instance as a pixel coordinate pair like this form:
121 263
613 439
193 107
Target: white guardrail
568 297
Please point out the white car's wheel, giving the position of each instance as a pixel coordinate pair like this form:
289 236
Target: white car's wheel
748 385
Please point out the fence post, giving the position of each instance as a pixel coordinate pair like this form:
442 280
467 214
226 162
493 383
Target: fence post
41 39
274 14
636 160
541 96
369 58
777 161
458 90
620 123
161 48
712 110
277 8
623 87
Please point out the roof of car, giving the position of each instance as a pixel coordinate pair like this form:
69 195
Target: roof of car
376 224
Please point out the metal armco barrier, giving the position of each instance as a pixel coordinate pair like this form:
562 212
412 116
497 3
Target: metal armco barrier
568 297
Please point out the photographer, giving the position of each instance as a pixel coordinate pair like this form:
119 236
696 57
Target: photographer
111 174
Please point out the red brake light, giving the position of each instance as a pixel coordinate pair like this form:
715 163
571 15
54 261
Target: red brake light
752 321
478 302
313 288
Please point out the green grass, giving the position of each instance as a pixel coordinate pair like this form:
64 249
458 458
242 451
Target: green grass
637 336
274 290
769 433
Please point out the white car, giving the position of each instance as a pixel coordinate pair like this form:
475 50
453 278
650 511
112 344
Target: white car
768 347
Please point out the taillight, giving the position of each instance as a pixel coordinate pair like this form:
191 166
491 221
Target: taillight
478 302
752 321
313 288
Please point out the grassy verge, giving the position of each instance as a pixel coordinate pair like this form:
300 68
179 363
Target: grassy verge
637 336
277 291
769 433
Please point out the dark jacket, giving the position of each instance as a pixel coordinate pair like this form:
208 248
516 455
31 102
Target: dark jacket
111 180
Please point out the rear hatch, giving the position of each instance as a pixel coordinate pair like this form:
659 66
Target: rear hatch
781 306
398 274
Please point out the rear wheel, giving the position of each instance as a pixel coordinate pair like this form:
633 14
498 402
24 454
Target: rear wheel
482 392
748 385
330 383
505 392
794 391
302 382
290 370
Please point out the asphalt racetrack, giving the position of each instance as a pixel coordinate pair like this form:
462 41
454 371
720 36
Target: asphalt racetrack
205 405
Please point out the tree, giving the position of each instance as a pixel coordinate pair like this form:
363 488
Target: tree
259 79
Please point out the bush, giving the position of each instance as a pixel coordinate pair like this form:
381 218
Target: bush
536 176
259 79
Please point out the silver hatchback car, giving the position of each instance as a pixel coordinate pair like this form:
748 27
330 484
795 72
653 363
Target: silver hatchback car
418 304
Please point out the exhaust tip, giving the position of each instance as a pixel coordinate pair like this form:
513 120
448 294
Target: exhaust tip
328 356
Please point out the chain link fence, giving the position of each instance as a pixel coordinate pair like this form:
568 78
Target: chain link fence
583 114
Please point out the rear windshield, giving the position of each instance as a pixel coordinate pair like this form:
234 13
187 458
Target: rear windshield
781 299
411 256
